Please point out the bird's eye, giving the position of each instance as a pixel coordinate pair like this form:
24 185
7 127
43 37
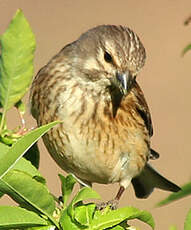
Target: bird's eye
108 57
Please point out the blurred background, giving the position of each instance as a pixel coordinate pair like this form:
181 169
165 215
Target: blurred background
165 80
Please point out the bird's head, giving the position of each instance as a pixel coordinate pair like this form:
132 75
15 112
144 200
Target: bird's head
111 54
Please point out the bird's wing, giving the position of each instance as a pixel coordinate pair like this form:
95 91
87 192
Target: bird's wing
142 108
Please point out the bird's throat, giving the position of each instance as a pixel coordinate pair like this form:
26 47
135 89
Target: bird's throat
116 98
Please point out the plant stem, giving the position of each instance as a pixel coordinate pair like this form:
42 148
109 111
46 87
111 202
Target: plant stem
2 121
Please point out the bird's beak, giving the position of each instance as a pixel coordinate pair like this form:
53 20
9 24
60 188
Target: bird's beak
125 82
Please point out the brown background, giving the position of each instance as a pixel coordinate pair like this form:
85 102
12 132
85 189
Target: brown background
165 79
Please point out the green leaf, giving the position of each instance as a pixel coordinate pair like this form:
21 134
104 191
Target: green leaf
186 49
40 179
33 155
16 217
26 166
3 149
49 227
67 187
16 62
8 139
17 150
66 222
84 214
67 217
173 227
118 227
28 193
185 191
115 217
187 224
147 218
84 194
22 165
1 194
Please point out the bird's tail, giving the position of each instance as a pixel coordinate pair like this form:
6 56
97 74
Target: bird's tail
149 179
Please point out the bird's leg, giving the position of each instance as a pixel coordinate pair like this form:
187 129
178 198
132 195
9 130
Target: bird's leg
113 204
120 192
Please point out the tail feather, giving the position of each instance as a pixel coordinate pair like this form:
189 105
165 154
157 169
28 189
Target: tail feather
149 179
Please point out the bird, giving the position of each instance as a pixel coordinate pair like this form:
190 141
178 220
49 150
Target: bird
104 136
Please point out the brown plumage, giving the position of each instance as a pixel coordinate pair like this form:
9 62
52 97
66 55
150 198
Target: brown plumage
106 125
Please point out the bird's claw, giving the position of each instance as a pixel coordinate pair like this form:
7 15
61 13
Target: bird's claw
112 204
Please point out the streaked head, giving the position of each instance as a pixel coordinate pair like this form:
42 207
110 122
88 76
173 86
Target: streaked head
111 52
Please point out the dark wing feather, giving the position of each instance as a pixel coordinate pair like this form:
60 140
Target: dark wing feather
149 179
142 108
